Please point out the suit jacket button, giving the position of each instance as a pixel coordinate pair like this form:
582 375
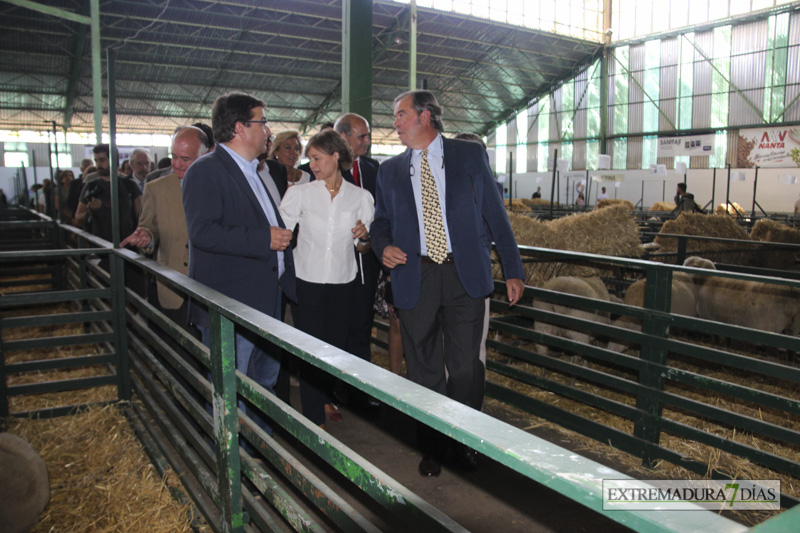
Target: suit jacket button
274 269
186 264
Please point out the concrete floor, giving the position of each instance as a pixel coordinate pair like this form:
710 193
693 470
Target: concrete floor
494 498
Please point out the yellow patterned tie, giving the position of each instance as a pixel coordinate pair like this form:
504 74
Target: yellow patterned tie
435 238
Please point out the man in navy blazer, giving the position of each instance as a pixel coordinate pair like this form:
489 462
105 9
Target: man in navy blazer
441 304
238 244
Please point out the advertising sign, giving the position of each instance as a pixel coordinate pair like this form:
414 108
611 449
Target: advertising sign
686 145
768 147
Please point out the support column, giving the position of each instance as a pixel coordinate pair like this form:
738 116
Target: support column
357 57
97 75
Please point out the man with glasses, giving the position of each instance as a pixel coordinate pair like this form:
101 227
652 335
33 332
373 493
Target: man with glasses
238 244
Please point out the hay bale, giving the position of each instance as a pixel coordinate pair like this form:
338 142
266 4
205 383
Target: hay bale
533 202
607 232
609 202
663 206
766 230
516 204
706 226
729 209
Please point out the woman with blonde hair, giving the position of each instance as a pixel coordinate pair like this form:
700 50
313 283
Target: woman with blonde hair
286 150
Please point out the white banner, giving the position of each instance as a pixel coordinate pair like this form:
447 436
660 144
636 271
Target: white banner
686 145
773 147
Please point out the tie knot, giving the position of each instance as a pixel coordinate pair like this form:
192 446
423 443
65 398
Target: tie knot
425 153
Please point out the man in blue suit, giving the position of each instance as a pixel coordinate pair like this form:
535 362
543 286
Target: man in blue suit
238 244
440 292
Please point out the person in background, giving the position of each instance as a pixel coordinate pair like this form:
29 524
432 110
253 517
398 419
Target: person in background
603 194
796 207
580 201
538 193
162 224
286 149
65 179
140 167
684 201
333 215
125 168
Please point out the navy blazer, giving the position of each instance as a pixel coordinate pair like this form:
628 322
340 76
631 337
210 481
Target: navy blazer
229 237
473 206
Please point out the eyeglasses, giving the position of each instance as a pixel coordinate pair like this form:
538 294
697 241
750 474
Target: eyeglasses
263 122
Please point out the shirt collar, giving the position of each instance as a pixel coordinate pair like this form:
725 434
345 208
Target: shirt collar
434 149
238 158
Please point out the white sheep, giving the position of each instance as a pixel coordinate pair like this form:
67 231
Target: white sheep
750 304
24 485
683 301
586 287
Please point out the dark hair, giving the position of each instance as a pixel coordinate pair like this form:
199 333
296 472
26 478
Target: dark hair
164 162
104 149
425 101
331 142
682 187
209 134
326 126
229 109
100 149
469 136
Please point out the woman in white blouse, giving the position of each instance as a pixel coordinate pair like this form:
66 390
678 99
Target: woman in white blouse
333 216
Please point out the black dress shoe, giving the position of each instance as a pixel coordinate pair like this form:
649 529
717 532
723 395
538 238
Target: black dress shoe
429 466
466 457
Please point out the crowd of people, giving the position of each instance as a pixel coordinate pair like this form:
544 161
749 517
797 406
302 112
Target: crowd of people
328 243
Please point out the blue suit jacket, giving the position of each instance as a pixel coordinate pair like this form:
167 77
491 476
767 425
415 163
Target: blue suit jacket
473 206
229 237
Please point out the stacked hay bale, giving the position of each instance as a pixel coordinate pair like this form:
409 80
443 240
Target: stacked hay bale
707 226
766 230
607 232
517 204
533 202
609 202
663 206
729 209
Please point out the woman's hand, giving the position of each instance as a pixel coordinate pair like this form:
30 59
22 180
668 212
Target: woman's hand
360 231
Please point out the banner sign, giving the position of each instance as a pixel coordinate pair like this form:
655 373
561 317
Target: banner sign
686 145
768 147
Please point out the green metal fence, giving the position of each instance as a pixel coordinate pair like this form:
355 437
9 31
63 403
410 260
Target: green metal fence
163 369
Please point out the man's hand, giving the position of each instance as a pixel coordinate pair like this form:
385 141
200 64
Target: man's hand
393 256
515 287
95 204
279 238
140 238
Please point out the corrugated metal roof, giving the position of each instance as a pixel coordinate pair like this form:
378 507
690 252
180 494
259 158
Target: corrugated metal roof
175 58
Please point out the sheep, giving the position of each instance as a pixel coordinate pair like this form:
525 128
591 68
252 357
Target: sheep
750 304
586 287
24 485
683 301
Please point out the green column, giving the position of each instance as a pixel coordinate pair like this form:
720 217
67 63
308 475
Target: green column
357 57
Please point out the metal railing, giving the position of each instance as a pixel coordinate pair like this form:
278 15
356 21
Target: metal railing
164 370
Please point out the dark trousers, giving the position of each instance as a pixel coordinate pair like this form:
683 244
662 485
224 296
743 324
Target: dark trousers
323 310
443 330
359 339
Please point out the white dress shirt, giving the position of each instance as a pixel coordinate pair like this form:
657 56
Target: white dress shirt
324 252
436 164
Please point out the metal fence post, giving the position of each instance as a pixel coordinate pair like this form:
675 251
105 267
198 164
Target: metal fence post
118 306
226 422
657 297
